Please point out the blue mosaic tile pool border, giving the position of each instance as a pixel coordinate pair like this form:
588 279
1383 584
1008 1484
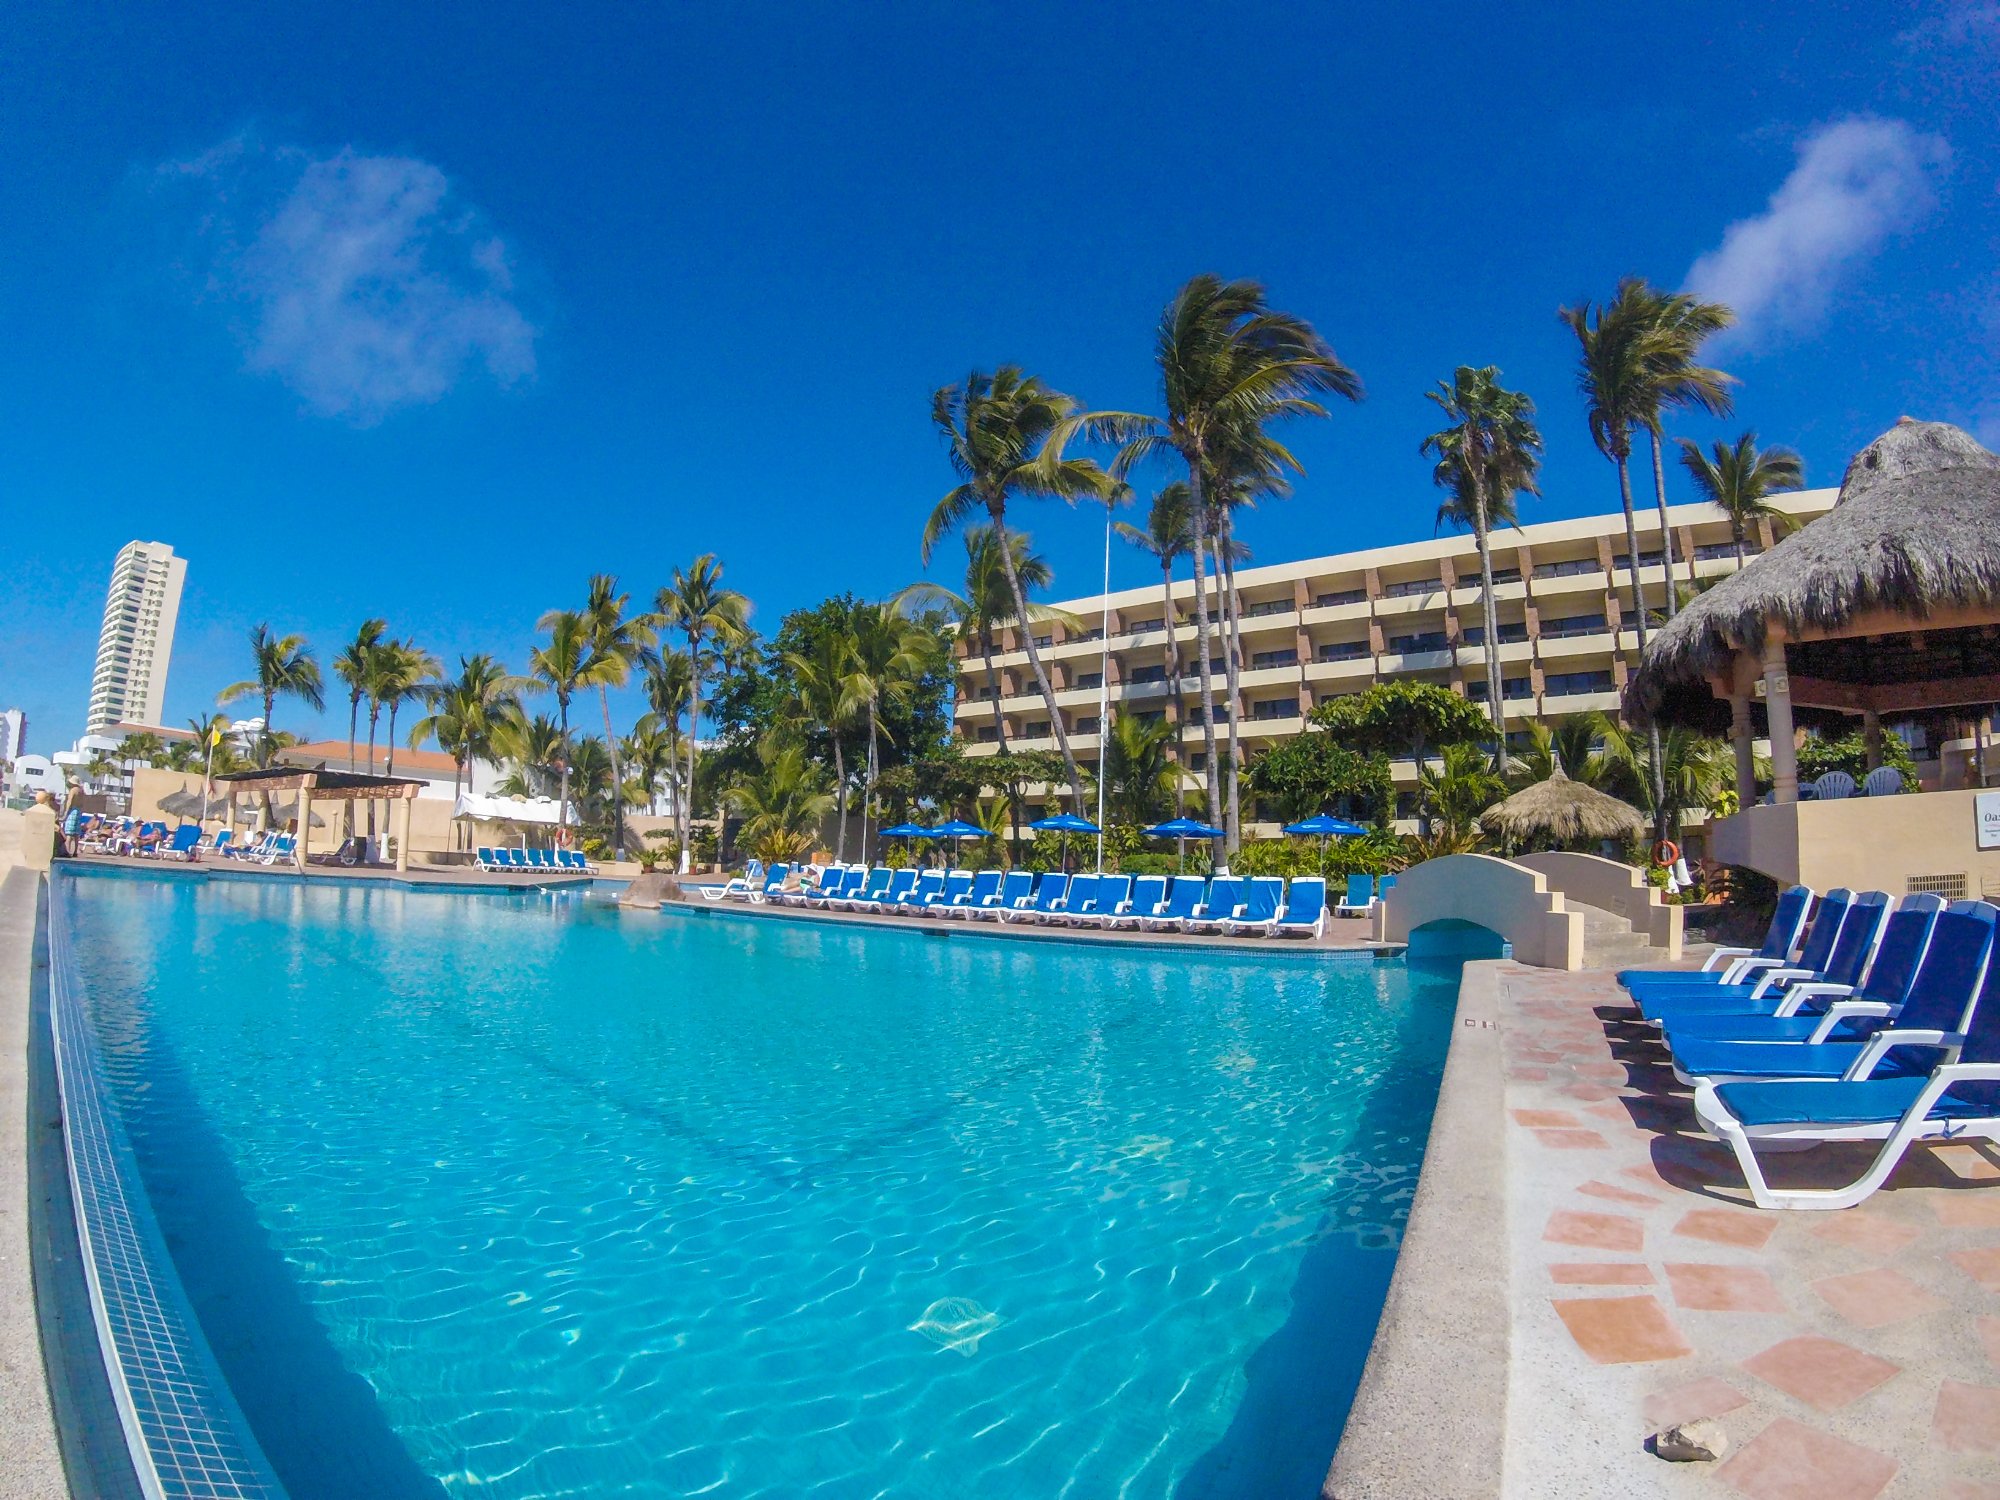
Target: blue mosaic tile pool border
187 1436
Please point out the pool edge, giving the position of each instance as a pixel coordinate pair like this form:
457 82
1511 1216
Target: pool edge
1430 1413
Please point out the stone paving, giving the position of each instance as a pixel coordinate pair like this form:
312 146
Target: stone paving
1846 1354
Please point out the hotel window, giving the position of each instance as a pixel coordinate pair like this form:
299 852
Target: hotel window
1089 724
1038 730
1095 633
1343 651
1142 627
1500 575
1510 634
1043 642
1423 640
1150 715
988 735
1147 674
1571 684
1198 761
1572 625
1275 708
1413 586
1716 551
1510 687
1338 597
1571 569
1268 607
1646 560
1089 680
1261 659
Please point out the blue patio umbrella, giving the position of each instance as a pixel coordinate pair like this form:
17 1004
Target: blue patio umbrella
1064 824
1182 829
906 831
958 828
1325 825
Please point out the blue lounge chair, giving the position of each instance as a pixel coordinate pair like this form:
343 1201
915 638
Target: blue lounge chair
541 859
1049 892
984 891
1016 891
1836 951
1225 900
1081 893
1305 909
1933 998
1263 903
839 890
575 861
929 887
877 882
1360 897
1183 901
901 883
282 847
482 858
1959 1099
225 843
181 845
1781 941
773 879
1097 910
1148 899
957 887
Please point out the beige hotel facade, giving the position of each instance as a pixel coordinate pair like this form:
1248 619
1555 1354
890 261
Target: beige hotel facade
1327 626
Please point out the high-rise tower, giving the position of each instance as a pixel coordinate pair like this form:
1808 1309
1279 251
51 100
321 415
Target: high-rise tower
129 684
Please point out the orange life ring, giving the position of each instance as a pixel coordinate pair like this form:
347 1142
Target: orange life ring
562 838
1666 854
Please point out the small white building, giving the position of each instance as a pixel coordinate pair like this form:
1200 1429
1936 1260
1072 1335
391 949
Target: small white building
30 774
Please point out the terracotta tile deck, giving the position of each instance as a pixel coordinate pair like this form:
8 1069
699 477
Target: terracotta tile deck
1847 1355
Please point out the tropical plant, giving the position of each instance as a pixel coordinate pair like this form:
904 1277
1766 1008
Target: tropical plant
1139 775
651 759
283 666
559 666
1680 324
466 711
887 653
1848 752
824 696
1310 773
1741 478
695 603
1573 744
1456 790
1230 366
533 748
1486 456
403 672
355 666
783 803
1667 775
1006 434
1403 717
141 748
618 642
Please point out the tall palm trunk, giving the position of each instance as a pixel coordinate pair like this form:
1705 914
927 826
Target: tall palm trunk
1736 535
353 719
686 807
1623 460
840 792
868 783
1006 552
389 769
1168 622
1233 674
1666 533
617 780
1000 735
562 785
1198 509
374 718
1482 536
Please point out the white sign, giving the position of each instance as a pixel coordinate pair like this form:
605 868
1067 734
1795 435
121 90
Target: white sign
1986 810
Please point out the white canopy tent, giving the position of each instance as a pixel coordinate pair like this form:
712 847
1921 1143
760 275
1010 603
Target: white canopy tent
521 812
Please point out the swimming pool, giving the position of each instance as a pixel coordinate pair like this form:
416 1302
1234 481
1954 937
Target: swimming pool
499 1195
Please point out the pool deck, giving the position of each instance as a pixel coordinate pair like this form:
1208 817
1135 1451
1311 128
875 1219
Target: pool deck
1629 1285
457 877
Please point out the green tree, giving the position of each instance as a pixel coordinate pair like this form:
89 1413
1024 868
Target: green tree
1139 777
619 641
1573 744
283 666
466 711
405 673
1310 773
1741 478
696 604
141 748
1680 325
1006 435
1486 456
783 803
1402 717
558 665
1668 775
1230 367
887 656
1456 790
533 749
355 666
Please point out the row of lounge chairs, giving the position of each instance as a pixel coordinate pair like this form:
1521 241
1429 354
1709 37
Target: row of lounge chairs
1879 1021
545 861
149 839
1258 906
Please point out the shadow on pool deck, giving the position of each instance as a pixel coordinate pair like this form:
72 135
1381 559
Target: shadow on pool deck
319 1422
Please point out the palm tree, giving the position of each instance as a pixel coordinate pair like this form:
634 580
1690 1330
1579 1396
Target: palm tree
1573 744
142 747
1005 435
466 711
1669 775
530 747
1681 324
405 672
618 641
354 666
283 667
652 757
783 802
1741 479
559 666
1230 366
1486 456
696 604
1139 778
1168 536
887 653
1457 790
824 695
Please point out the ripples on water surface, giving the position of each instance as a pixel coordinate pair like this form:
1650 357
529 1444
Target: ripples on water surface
520 1198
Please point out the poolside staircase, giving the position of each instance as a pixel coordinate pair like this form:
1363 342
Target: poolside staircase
1610 941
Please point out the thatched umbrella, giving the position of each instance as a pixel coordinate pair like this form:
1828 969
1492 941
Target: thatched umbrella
1562 810
1916 530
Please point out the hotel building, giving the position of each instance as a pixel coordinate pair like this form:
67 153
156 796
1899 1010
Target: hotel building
129 683
1327 626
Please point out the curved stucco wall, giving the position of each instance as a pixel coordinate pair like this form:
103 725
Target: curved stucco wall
1497 894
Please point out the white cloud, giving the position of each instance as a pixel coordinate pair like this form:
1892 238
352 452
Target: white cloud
362 282
1956 24
1857 181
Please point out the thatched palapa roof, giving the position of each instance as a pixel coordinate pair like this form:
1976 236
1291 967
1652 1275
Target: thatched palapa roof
1561 809
1916 530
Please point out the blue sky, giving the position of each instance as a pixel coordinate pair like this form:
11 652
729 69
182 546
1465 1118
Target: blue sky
529 293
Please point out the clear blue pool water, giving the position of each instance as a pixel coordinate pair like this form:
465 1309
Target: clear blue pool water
510 1197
